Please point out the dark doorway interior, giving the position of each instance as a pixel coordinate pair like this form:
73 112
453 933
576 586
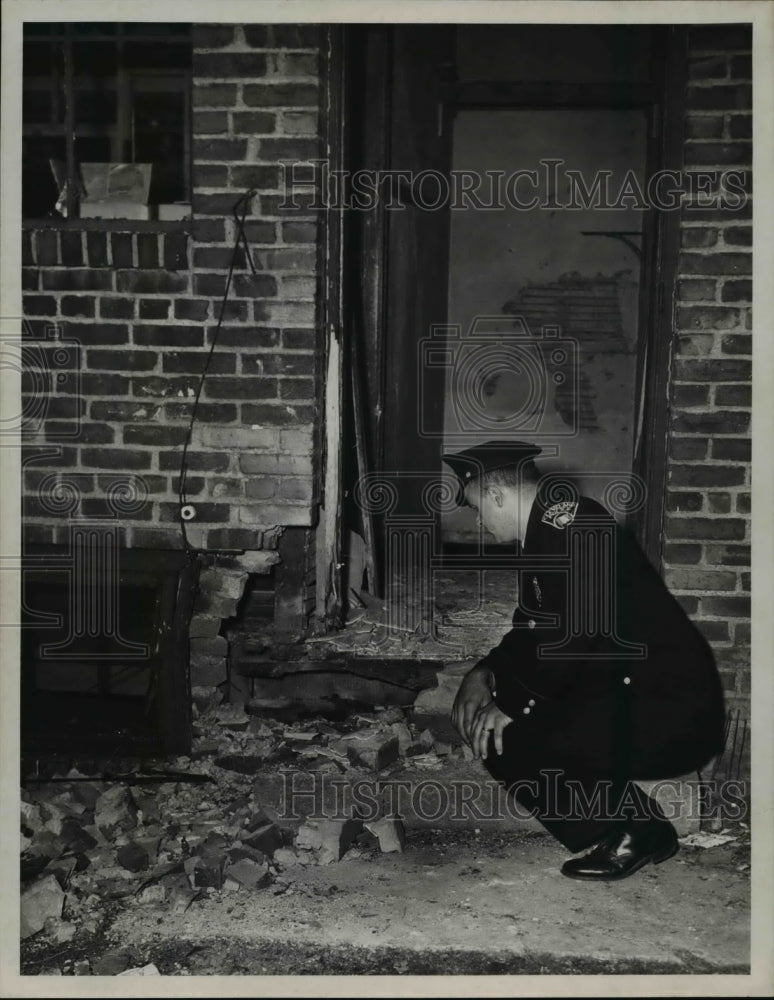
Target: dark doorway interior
438 99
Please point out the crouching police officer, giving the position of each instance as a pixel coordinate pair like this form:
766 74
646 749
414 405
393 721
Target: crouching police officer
601 681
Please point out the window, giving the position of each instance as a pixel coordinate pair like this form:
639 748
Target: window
103 93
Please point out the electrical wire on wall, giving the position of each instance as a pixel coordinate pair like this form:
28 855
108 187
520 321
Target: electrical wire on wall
186 510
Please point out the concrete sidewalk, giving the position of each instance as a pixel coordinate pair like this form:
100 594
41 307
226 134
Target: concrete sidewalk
457 902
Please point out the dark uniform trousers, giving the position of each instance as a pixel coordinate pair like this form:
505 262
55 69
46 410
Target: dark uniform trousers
606 679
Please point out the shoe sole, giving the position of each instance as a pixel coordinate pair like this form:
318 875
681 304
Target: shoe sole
657 859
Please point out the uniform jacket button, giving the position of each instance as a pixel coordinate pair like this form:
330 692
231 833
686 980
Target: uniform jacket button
531 623
526 710
627 680
531 702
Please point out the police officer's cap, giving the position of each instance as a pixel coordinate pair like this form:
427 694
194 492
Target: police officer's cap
472 463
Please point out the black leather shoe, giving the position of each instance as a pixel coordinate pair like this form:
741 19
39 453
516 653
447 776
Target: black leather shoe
624 851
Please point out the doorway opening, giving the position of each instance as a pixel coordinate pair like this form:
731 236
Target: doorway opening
507 281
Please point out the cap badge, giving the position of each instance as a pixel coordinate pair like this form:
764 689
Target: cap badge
561 514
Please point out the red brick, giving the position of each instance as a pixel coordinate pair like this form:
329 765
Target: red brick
715 263
96 249
253 122
245 336
733 607
255 176
712 422
121 245
78 305
719 503
153 386
736 291
241 388
237 539
30 279
706 475
707 67
147 250
98 333
115 458
738 236
198 461
211 36
214 95
690 395
733 449
39 305
282 95
717 153
704 126
171 335
699 236
740 126
120 410
175 251
705 527
209 284
736 343
741 67
688 448
297 388
260 231
207 413
153 435
121 361
676 554
277 416
208 230
255 285
719 37
154 308
700 579
98 385
210 122
731 97
76 280
72 248
117 308
47 247
219 149
228 64
194 362
713 370
151 282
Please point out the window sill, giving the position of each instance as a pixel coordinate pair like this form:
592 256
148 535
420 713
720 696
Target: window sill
112 225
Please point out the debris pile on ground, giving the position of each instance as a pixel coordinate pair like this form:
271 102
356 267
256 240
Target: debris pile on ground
168 833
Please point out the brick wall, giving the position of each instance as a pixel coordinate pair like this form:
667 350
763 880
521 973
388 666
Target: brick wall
707 544
141 309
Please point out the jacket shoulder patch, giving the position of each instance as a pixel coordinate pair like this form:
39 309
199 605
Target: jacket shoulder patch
561 514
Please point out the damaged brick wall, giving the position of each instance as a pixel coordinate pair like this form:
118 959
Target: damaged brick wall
707 536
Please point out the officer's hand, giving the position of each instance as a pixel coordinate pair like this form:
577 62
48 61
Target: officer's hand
489 719
475 693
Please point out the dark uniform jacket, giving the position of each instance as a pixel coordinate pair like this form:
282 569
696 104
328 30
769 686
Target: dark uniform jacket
599 642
